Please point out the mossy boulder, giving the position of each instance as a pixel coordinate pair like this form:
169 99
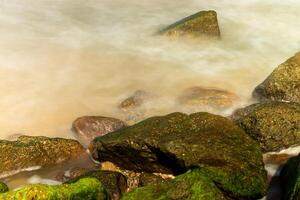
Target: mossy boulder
83 189
114 182
275 125
192 185
290 179
3 187
29 152
86 128
177 142
203 24
283 84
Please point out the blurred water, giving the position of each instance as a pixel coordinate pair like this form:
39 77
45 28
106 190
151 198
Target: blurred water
63 59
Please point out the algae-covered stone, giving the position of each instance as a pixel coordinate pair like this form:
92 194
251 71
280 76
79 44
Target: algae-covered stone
275 125
283 84
86 128
29 152
189 186
83 189
177 142
3 187
290 179
114 182
200 25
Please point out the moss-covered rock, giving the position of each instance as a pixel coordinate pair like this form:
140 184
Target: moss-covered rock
283 84
86 128
200 25
275 125
3 187
114 182
193 185
177 142
290 179
29 152
149 179
83 189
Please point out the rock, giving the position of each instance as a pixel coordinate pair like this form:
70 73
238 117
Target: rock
29 152
207 97
203 24
290 178
276 159
72 173
88 127
83 189
135 100
3 187
283 84
150 179
275 125
114 182
177 142
189 186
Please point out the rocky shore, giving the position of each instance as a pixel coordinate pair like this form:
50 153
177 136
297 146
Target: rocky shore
198 156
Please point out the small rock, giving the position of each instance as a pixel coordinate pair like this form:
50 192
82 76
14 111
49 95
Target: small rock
275 125
203 24
283 84
3 187
207 97
30 152
135 100
88 127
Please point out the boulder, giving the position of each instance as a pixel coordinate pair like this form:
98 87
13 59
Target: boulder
203 24
275 125
290 178
114 182
283 84
29 152
83 189
177 142
207 97
88 127
3 187
192 185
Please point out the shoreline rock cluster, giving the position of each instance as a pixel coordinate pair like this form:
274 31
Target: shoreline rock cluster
209 157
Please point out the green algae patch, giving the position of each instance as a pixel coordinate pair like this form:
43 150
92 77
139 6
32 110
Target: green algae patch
3 187
83 189
193 185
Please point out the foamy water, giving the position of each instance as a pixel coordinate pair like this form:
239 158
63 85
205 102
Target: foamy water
63 59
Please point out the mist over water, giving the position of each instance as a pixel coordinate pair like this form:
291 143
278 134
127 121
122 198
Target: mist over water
63 59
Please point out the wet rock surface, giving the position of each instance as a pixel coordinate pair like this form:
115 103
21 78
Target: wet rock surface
207 97
203 24
283 84
88 127
29 152
177 142
290 178
275 125
3 187
115 183
86 188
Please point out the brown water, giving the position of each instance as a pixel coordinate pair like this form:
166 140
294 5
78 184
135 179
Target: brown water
63 59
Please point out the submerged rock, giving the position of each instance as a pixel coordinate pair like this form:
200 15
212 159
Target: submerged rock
29 152
177 142
290 178
283 84
83 189
189 186
135 100
200 25
3 187
114 182
275 125
88 127
207 97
